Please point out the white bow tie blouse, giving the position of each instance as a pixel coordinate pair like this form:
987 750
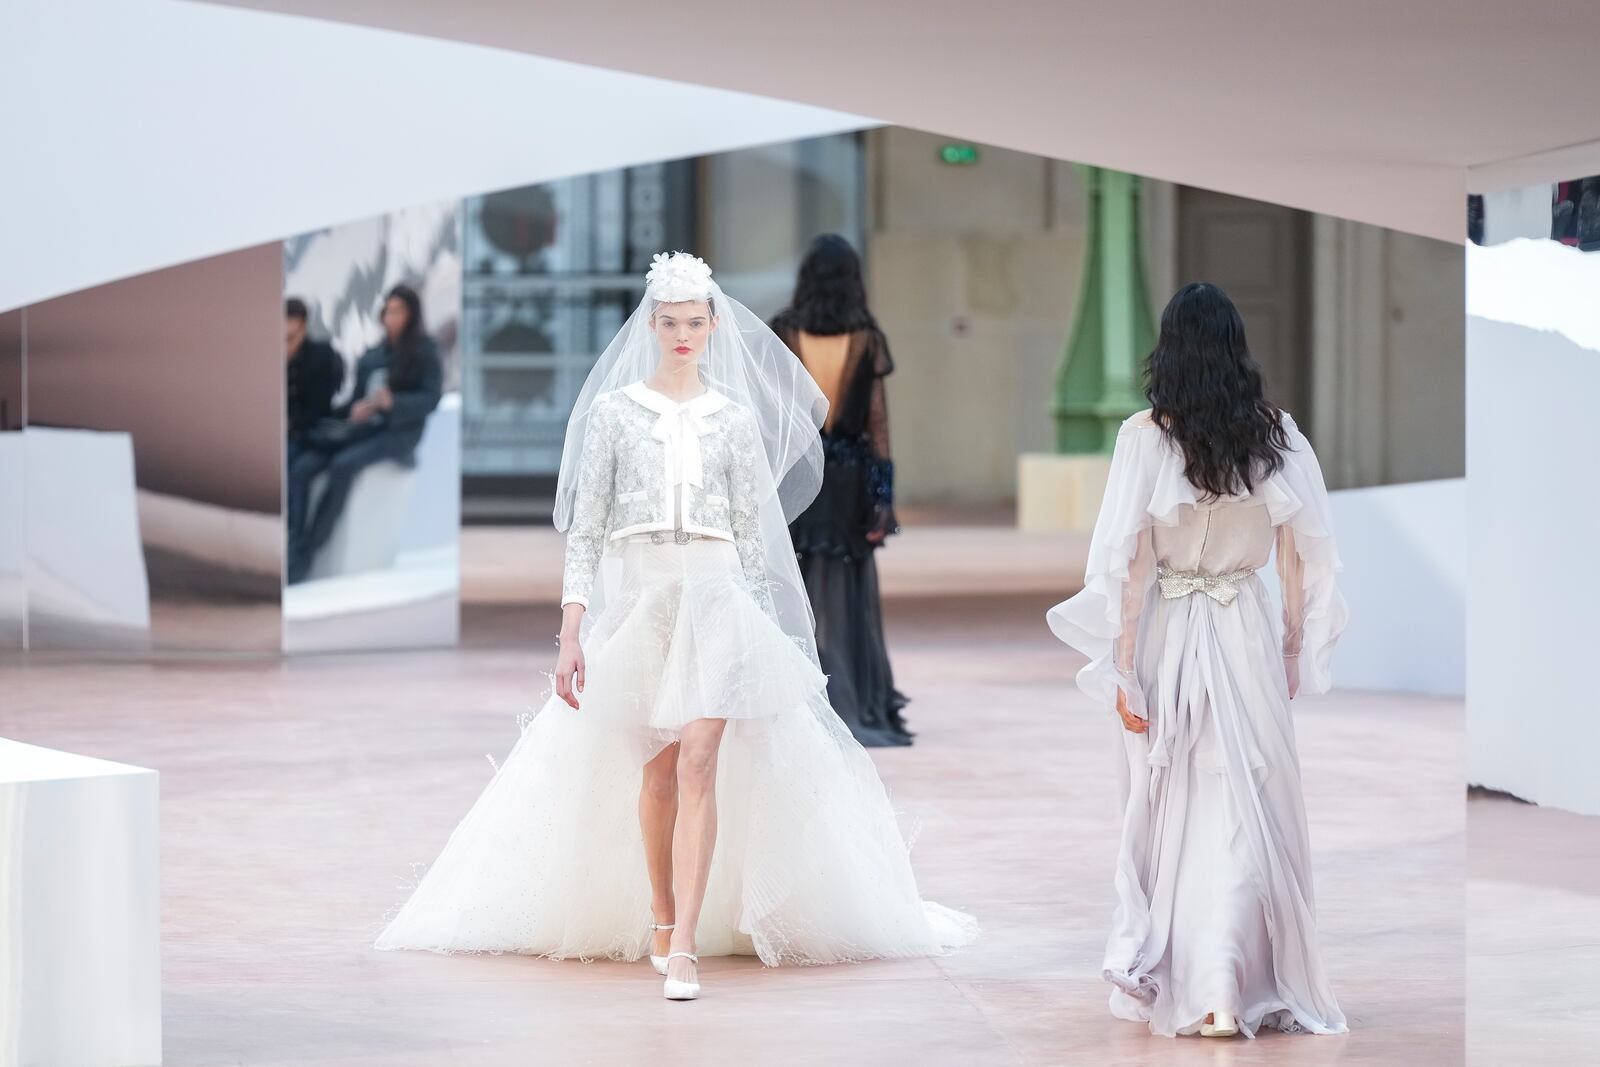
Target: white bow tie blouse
652 464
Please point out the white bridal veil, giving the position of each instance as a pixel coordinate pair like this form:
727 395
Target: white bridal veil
746 362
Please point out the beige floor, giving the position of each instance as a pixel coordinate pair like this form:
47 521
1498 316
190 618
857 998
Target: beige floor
296 795
1533 941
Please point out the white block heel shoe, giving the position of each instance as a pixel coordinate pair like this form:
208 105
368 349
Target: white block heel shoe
673 989
659 962
1222 1024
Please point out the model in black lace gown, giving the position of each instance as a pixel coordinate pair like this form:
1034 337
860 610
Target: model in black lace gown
830 329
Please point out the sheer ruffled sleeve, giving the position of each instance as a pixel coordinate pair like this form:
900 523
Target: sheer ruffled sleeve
744 509
591 513
1291 578
1140 568
1314 613
880 473
1102 621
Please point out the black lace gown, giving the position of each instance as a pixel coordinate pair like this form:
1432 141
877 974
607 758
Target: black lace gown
835 537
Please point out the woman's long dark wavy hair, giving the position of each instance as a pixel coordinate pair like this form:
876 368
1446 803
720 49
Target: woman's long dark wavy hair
405 366
830 294
1205 392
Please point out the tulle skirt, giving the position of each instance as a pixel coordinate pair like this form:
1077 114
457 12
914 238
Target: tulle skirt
1215 907
684 640
809 867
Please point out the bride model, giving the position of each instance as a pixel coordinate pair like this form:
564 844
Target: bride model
687 789
1214 929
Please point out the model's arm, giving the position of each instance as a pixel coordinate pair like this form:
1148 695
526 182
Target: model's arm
1140 568
744 507
1130 698
410 408
1292 581
880 477
586 538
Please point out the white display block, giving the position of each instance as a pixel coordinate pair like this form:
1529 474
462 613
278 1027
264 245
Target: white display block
1533 370
367 535
86 578
1060 492
397 509
13 542
80 911
435 516
1404 549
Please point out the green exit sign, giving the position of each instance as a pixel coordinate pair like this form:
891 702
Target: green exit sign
959 155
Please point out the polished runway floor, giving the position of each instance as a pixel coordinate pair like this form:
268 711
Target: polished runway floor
1533 933
296 795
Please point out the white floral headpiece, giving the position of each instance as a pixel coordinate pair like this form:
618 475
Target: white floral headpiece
678 277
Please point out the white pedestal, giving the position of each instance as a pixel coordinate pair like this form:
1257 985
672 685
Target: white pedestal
80 911
396 510
1056 492
86 580
367 535
13 542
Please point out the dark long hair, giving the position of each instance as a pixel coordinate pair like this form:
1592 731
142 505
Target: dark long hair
830 295
405 364
1205 392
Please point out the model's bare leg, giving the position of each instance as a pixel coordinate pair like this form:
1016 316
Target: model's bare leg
658 810
695 836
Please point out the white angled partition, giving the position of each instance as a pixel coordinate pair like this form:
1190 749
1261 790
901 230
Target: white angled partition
87 582
1404 549
80 891
1533 371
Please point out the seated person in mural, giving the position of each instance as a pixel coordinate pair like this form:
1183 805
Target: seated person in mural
397 386
315 373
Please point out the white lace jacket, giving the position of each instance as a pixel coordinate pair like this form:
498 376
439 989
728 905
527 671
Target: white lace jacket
643 455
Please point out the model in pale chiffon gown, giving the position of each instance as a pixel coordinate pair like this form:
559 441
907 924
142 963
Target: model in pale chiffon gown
1214 930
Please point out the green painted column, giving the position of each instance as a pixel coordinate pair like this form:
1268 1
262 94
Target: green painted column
1101 381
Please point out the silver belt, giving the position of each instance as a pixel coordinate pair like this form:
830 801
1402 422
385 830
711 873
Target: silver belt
661 537
1222 588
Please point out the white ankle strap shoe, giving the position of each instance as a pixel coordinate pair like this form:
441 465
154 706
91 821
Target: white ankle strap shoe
660 962
673 989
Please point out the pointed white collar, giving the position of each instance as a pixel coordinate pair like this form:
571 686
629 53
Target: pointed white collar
704 404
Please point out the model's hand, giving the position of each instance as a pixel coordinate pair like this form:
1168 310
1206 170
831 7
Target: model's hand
362 410
1291 673
1131 722
569 669
883 524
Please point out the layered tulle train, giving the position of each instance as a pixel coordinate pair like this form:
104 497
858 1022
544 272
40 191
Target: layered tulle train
810 864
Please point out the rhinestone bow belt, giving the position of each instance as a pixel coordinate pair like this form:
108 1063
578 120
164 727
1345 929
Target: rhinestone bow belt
1219 587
